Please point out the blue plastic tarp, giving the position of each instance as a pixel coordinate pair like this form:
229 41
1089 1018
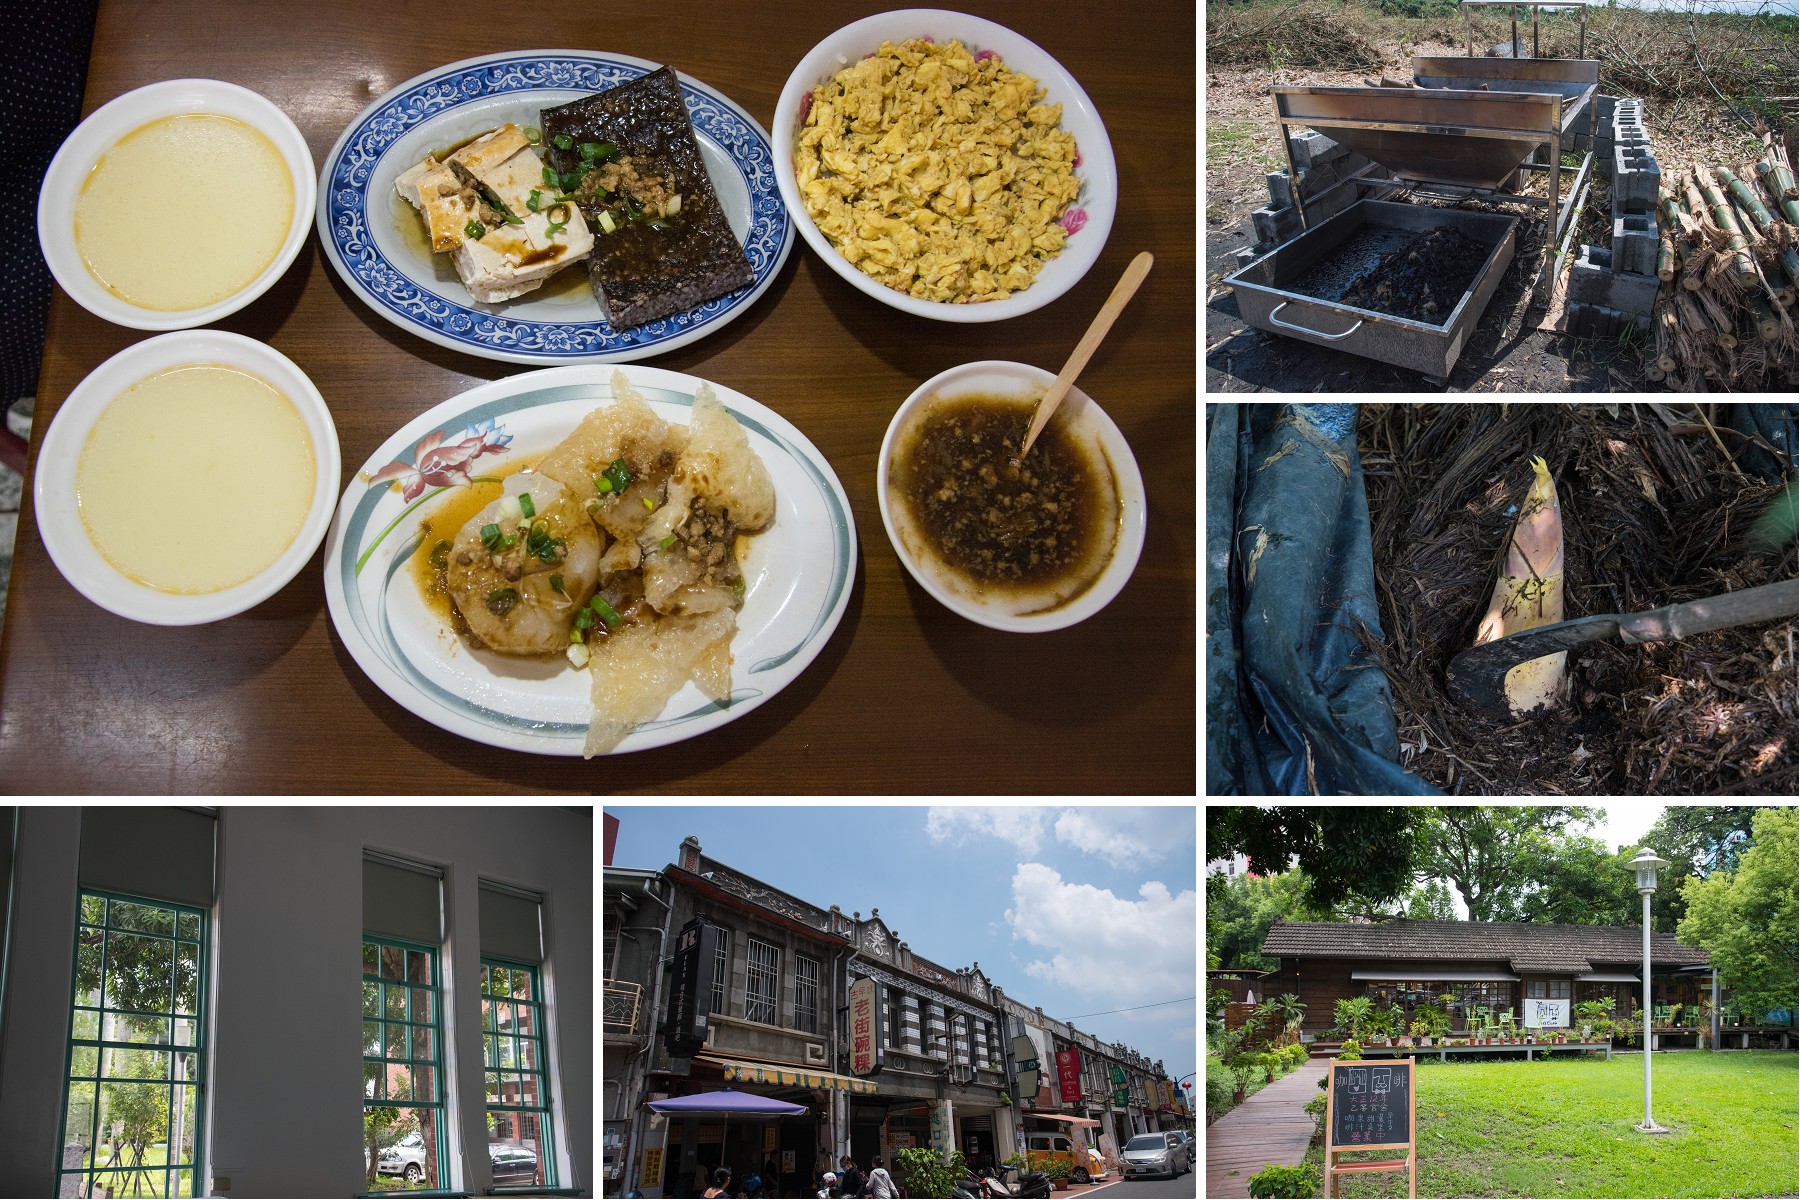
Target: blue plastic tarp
1296 703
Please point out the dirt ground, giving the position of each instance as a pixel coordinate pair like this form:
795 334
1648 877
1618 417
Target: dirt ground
1507 351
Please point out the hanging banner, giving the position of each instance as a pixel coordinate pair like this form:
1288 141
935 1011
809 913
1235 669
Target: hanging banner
1541 1014
943 1132
690 1003
865 1022
1068 1074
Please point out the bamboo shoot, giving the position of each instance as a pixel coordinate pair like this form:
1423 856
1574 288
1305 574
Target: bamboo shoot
1529 593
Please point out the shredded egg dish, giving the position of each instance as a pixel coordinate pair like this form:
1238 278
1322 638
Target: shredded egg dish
938 172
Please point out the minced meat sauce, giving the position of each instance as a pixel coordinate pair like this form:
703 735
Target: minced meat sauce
1000 521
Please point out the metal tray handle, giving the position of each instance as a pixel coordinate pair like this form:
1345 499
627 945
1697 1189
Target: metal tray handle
1330 337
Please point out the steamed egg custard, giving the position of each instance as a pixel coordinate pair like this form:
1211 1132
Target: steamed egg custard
184 212
196 479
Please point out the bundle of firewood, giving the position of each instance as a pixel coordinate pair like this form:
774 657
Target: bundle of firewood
1728 250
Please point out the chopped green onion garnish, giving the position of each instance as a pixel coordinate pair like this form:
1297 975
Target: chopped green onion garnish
563 141
440 555
593 152
512 220
533 134
554 228
660 224
570 181
556 585
500 601
549 176
490 537
649 504
603 485
475 230
619 475
606 611
584 619
668 540
526 506
575 635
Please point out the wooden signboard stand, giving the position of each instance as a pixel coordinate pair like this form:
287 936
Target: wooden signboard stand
1364 1110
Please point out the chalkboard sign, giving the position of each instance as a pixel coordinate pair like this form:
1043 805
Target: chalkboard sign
1371 1104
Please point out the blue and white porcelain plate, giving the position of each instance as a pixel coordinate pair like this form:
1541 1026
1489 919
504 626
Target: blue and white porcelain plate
377 241
798 571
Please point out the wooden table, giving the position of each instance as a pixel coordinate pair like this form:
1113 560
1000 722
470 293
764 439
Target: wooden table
905 698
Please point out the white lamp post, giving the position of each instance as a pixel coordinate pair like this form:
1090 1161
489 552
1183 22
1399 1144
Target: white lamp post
1647 865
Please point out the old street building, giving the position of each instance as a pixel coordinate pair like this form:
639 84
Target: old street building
716 980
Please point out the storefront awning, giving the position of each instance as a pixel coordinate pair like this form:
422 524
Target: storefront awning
1603 977
1433 975
1074 1121
785 1075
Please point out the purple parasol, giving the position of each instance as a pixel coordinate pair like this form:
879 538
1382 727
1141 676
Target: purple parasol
727 1103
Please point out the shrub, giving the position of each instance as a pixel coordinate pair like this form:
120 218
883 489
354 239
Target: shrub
1351 1050
1218 1095
1316 1106
1297 1054
925 1171
1274 1180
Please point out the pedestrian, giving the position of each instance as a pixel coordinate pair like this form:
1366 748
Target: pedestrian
881 1184
771 1174
828 1187
721 1183
854 1181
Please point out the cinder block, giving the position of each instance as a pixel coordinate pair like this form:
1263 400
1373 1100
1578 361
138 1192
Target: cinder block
1633 292
1606 106
1590 275
1634 244
1599 320
1245 256
1629 132
1331 205
1312 148
1603 155
1275 224
1281 190
1636 177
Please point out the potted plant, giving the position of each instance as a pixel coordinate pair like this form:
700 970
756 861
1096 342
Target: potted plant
1058 1171
1421 1029
1380 1026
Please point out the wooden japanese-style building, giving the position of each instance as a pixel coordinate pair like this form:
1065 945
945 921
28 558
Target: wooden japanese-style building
1495 965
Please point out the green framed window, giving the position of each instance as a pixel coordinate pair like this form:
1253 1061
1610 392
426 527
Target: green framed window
517 1073
403 1061
132 1108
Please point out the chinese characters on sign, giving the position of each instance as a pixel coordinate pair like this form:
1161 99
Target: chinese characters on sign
1068 1074
863 1020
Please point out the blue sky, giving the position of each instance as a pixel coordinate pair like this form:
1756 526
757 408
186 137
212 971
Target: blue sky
1079 909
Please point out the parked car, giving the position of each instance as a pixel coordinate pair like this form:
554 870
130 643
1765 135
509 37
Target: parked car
1187 1138
1084 1162
405 1157
1155 1154
513 1162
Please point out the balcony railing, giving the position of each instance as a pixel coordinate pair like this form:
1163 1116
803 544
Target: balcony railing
620 1004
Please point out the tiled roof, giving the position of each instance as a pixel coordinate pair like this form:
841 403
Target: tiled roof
1528 947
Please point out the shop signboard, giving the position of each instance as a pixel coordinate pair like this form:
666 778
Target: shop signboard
865 1022
652 1169
943 1136
1540 1014
690 1004
1068 1074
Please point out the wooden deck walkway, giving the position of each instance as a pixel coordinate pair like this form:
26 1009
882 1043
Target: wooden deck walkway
1272 1126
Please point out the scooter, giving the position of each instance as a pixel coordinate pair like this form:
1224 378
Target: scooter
1008 1182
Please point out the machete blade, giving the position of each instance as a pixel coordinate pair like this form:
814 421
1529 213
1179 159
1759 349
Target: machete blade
1477 676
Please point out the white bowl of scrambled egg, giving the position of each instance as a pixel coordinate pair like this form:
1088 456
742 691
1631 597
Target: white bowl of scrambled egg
944 165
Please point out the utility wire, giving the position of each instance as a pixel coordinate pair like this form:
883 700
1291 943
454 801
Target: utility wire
1110 1011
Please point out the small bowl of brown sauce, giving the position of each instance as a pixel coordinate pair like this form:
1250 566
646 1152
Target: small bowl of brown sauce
1026 545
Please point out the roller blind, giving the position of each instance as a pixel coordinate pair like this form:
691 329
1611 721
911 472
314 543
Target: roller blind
154 852
401 899
509 924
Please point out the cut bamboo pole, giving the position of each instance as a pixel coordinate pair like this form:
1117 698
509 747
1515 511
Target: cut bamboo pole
1665 258
1767 327
1743 267
1667 334
1780 182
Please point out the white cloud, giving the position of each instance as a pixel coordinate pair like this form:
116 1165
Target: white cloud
1128 951
1022 828
1124 836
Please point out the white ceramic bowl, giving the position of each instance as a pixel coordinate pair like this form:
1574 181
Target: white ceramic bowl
54 497
1088 423
1097 171
111 122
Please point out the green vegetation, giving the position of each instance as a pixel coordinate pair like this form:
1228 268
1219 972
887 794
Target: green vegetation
1238 140
1273 1180
1563 1128
1750 918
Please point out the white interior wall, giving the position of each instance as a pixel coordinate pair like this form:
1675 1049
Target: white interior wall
286 1004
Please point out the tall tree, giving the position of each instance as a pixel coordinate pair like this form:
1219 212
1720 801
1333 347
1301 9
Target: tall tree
1697 840
1240 909
1346 852
1749 919
1494 855
1431 903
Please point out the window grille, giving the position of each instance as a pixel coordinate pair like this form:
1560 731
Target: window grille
403 1056
722 972
806 994
896 1009
136 1050
515 1066
761 982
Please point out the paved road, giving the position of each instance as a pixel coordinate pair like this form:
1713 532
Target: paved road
1187 1184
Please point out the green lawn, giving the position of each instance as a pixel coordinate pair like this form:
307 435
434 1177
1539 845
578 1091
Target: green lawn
1562 1127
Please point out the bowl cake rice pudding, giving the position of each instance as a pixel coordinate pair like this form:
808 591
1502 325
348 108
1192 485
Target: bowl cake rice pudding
195 479
184 212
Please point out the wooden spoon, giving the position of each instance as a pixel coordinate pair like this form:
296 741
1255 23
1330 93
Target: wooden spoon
1084 349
